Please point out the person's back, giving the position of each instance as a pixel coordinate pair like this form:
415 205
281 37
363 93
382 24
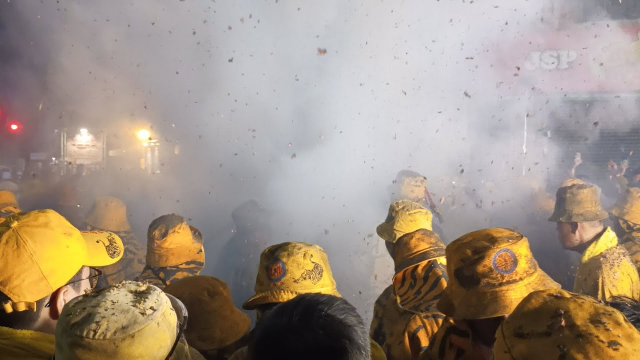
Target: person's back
312 327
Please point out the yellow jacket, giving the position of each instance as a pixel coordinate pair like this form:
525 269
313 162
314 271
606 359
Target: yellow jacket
132 262
26 344
376 353
630 240
405 317
606 270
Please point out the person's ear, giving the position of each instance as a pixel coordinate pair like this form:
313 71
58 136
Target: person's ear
57 301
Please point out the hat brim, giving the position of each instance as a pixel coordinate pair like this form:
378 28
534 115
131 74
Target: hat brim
589 215
281 296
487 304
387 232
103 248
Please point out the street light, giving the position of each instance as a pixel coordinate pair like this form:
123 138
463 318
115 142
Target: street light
144 135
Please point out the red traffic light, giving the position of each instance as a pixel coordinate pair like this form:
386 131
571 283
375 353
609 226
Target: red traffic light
14 126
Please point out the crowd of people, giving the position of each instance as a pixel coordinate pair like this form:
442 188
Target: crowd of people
97 294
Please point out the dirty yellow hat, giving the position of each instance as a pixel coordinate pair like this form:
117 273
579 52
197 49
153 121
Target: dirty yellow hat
130 320
216 323
171 241
578 203
8 201
490 272
40 251
404 217
109 213
628 207
557 324
573 181
409 185
415 247
289 269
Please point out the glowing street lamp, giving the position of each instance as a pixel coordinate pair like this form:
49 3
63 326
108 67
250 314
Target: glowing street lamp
144 135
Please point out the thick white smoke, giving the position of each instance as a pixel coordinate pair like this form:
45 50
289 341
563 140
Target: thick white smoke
309 107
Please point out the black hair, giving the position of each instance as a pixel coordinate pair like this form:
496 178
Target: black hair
630 308
25 320
312 327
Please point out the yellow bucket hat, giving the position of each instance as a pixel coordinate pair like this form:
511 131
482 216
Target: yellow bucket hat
404 217
418 246
556 324
171 241
8 200
628 207
109 213
209 301
572 181
578 203
289 269
410 185
490 272
40 251
130 320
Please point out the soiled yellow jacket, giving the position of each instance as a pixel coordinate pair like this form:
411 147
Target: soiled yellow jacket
405 317
132 262
606 270
26 344
376 353
631 240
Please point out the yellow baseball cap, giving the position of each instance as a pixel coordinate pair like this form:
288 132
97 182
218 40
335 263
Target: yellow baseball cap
404 217
490 272
109 213
289 269
40 251
130 320
557 324
171 242
628 207
578 203
209 299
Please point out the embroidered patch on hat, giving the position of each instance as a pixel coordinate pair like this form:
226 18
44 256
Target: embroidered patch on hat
276 271
113 250
505 262
314 274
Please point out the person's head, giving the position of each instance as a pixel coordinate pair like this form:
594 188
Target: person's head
46 263
578 215
416 247
311 326
409 185
130 320
490 272
215 325
108 214
404 217
8 204
630 308
250 217
626 212
557 324
172 241
290 269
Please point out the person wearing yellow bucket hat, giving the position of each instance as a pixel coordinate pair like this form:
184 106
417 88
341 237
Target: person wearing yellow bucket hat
129 320
46 262
287 270
626 222
110 214
219 329
405 315
605 268
8 205
556 324
490 272
174 251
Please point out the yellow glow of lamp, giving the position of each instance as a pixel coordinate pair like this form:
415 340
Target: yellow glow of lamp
144 135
